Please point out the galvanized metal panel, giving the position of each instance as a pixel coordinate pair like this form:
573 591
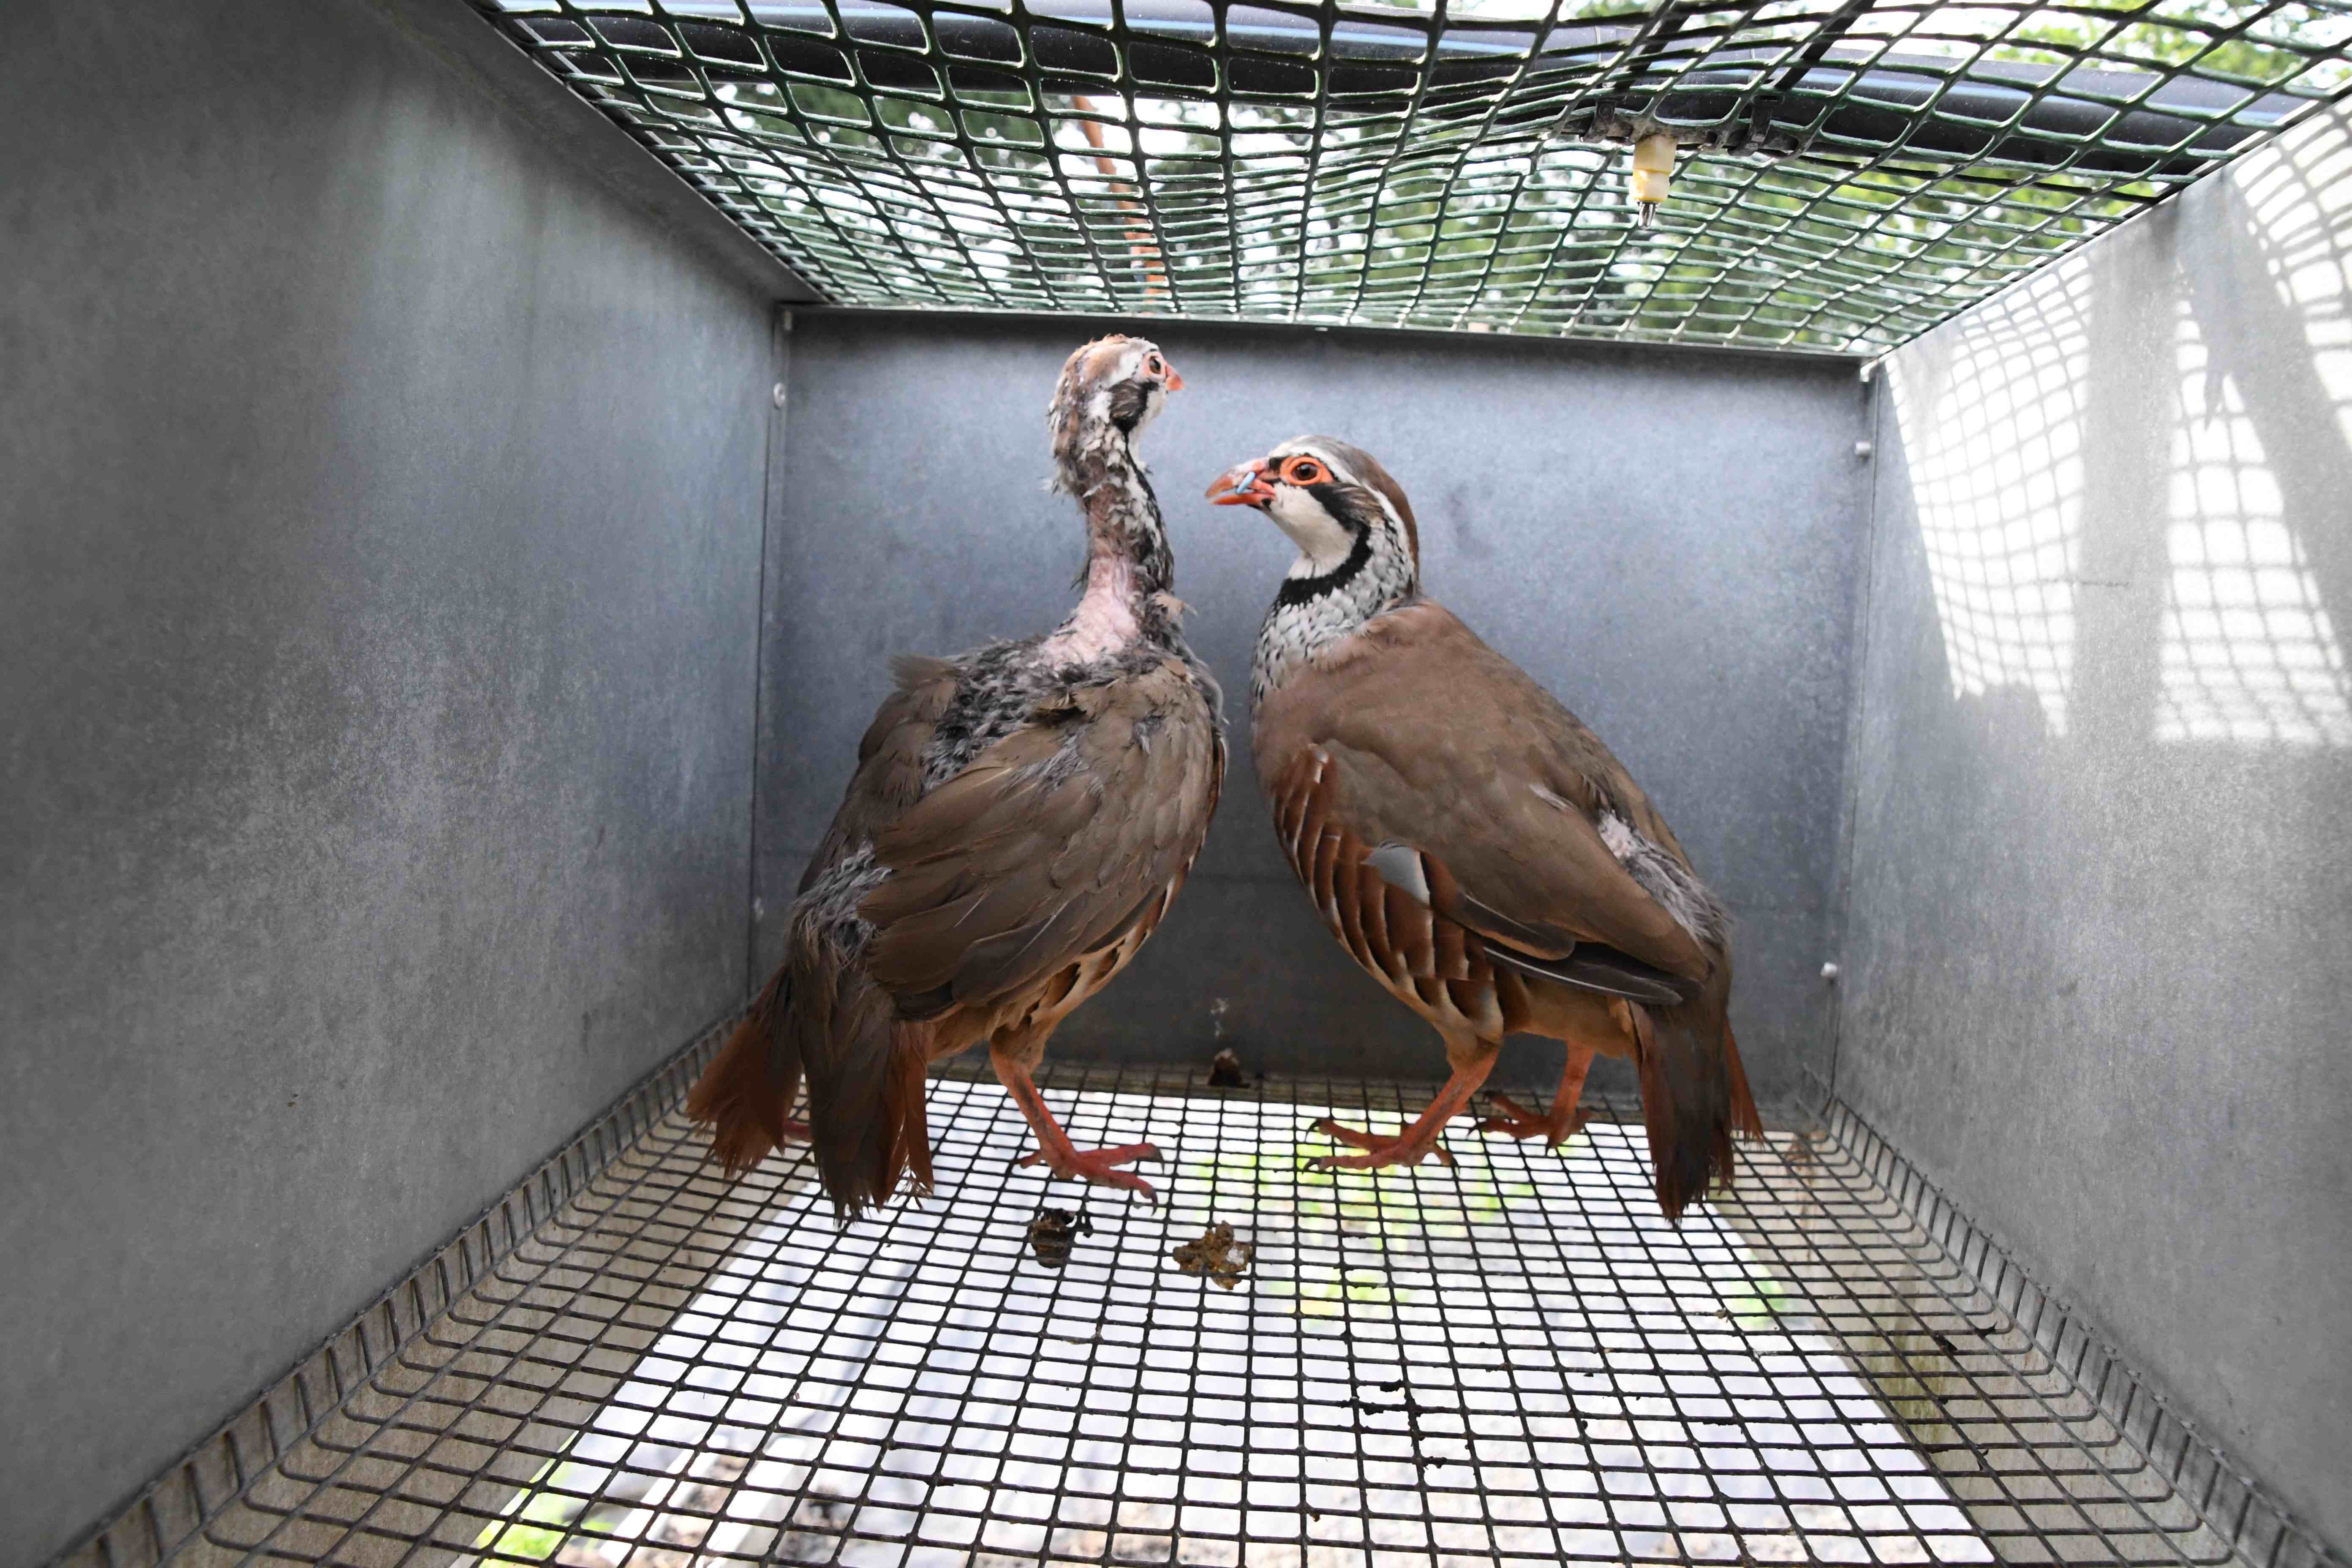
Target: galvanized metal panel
2096 971
379 551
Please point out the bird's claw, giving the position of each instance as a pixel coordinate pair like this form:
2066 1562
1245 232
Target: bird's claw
1518 1121
1378 1151
1099 1166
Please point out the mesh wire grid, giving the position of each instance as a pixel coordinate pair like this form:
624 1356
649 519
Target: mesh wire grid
1855 171
1512 1360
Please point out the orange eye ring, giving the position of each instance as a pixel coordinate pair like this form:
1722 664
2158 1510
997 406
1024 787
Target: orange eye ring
1304 470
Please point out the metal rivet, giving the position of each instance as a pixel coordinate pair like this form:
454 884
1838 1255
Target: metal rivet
1829 972
776 395
1861 448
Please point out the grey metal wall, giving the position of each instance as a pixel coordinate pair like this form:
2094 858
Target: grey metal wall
2097 969
380 537
1670 541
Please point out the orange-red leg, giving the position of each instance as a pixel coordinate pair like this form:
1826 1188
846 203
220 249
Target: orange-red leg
1564 1119
1055 1150
1416 1142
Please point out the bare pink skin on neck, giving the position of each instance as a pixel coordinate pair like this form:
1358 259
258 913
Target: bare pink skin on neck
1104 620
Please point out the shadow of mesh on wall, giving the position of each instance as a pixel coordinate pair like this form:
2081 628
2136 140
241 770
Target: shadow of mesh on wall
1852 172
1511 1361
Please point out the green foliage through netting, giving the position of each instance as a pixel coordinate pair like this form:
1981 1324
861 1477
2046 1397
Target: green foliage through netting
1852 172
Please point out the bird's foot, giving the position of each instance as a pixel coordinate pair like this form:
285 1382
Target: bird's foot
1099 1166
1555 1127
1401 1150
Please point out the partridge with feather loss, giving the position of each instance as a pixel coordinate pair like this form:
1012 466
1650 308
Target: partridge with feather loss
1020 818
1477 850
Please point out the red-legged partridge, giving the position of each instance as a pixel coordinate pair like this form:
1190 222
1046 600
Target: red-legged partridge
1479 851
1020 817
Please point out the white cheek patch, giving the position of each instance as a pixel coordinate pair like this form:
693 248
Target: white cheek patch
1321 542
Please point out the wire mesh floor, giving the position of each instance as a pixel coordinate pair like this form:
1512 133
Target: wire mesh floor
1511 1361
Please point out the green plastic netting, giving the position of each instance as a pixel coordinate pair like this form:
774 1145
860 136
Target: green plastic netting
1851 173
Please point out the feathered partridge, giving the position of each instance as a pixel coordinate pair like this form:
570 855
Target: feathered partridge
1477 850
1020 818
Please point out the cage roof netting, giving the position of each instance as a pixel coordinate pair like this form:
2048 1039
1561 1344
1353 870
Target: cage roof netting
1850 172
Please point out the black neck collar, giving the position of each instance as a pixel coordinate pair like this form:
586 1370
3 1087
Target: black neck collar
1306 590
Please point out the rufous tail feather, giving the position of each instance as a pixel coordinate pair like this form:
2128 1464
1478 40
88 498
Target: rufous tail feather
1694 1097
866 1081
911 1133
1745 1123
747 1092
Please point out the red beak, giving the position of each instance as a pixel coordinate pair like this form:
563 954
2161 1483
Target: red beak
1243 486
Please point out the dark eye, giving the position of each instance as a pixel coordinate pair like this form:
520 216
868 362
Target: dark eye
1156 365
1303 471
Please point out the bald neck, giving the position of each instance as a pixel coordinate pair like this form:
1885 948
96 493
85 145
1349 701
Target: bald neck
1129 567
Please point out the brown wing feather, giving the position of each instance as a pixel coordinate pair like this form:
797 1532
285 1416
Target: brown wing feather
1053 841
890 776
1435 740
